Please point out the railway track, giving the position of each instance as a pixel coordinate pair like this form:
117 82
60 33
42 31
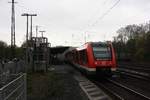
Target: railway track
136 68
133 73
133 83
127 86
129 89
135 65
114 95
119 91
140 69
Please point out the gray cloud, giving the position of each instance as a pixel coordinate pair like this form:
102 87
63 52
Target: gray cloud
62 18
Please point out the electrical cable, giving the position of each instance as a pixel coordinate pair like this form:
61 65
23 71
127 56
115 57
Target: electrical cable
104 14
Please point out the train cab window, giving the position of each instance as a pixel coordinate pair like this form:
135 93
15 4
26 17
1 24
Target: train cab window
102 51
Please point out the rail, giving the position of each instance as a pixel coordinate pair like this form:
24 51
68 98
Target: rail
128 89
134 73
117 97
14 90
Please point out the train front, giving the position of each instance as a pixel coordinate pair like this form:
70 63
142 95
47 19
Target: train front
104 56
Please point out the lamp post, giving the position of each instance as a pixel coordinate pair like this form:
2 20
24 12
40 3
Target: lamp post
42 33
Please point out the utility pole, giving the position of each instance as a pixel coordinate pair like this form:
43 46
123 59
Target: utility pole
42 32
37 30
31 15
27 33
27 15
13 40
29 43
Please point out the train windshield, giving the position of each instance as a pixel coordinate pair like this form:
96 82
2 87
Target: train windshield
102 51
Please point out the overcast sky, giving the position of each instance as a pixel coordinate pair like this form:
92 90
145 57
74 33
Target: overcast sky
67 22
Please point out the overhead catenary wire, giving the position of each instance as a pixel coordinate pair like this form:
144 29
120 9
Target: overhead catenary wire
97 10
105 13
101 17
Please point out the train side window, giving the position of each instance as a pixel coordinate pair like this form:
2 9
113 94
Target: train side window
76 57
80 57
83 56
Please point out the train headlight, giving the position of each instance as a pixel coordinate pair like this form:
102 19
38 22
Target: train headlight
95 63
113 69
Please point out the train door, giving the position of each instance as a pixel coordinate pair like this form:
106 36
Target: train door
83 57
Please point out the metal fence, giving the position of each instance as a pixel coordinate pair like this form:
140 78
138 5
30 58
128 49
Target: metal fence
9 69
12 83
15 89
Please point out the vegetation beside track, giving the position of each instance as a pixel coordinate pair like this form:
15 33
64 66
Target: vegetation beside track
58 84
41 86
132 43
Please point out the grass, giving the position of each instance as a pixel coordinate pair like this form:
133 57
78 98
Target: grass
41 86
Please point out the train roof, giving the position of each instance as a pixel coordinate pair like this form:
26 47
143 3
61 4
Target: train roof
100 43
84 46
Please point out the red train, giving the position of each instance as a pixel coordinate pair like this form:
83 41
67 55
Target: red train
93 57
